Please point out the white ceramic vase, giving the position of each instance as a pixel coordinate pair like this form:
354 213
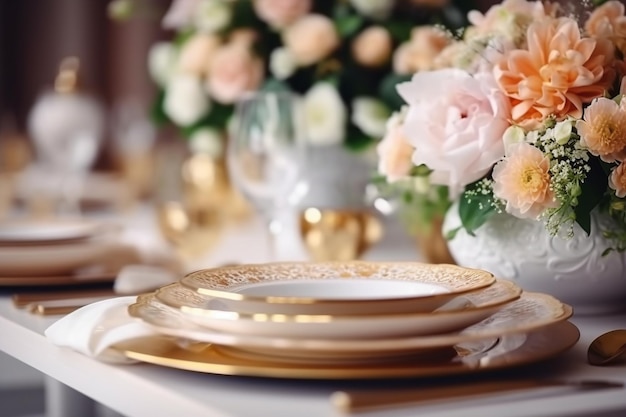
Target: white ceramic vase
573 270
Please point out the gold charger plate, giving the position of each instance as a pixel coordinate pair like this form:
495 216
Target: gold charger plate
532 311
442 282
459 313
509 351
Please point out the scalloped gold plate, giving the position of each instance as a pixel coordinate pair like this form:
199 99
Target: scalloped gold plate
459 313
530 312
356 287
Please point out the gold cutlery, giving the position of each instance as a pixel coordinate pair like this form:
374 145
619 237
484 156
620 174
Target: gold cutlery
64 306
363 400
23 300
607 348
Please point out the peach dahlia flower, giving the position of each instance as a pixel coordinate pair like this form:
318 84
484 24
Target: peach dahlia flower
522 179
617 180
603 129
558 73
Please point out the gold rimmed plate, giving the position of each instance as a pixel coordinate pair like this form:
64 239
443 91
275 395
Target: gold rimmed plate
470 357
356 287
457 314
530 312
47 232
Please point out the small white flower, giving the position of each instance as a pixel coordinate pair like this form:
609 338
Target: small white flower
162 62
324 115
213 15
512 135
207 141
533 136
185 99
282 63
562 132
375 9
370 115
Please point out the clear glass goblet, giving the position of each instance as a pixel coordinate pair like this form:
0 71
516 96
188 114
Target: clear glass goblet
265 155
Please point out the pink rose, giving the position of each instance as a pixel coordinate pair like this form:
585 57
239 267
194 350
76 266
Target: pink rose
233 71
419 53
457 130
394 152
280 13
197 52
180 14
372 47
311 38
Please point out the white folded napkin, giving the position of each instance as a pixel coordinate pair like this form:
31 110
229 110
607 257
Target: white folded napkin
135 279
94 328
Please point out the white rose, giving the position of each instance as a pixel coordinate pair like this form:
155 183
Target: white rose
212 15
562 132
512 135
375 9
162 62
324 115
282 63
185 99
370 115
207 141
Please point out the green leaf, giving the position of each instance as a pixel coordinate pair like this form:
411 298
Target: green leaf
475 209
348 25
356 140
593 188
400 31
388 92
157 114
272 84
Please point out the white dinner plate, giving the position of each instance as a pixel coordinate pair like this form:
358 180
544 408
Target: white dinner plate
357 287
456 314
46 232
530 312
50 260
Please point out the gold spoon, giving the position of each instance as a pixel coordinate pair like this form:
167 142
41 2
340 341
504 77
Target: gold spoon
607 348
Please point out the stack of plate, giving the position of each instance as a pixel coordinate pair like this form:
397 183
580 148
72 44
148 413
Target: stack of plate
57 252
349 320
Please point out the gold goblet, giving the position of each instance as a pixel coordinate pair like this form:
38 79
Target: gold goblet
338 234
192 232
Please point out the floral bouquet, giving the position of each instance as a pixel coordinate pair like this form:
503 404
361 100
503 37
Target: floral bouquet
523 115
344 57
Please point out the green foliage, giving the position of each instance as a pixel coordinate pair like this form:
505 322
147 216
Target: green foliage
476 205
388 92
593 188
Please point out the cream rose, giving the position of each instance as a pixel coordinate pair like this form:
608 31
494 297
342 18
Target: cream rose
233 71
185 101
197 52
372 47
311 38
162 62
280 13
324 115
457 131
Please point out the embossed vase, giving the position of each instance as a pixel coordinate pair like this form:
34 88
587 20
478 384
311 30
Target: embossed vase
573 270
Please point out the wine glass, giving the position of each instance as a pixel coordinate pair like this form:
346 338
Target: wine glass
266 153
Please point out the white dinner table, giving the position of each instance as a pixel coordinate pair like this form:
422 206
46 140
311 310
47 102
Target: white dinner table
146 390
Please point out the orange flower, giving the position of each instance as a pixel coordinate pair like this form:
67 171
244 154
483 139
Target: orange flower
617 180
603 129
522 179
557 74
608 21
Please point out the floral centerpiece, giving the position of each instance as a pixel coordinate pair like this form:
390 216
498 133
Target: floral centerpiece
344 57
523 115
